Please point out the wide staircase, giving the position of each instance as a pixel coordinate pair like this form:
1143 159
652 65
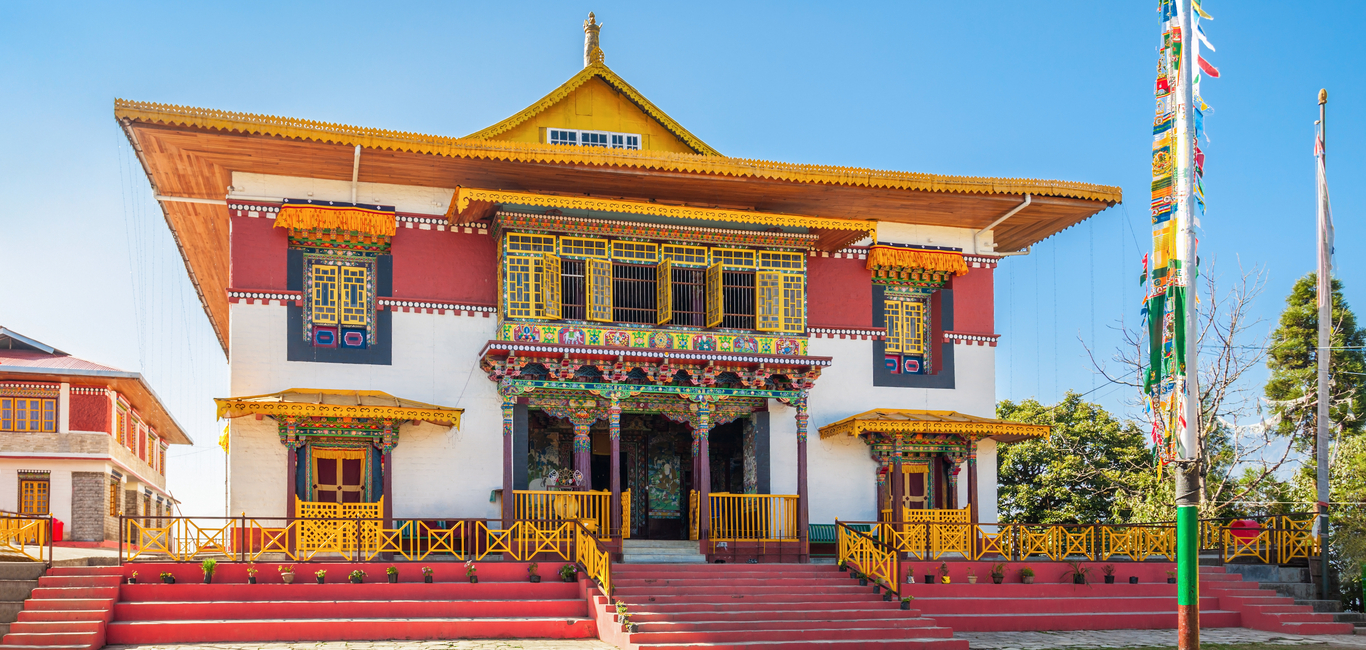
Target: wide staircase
769 606
502 605
1274 603
654 551
68 610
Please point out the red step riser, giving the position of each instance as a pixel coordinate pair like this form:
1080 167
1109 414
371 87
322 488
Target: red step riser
48 627
992 592
760 626
85 571
64 615
721 583
46 593
55 638
349 609
1077 621
332 630
408 572
313 591
932 607
805 601
796 609
68 603
79 581
805 634
719 591
897 644
702 617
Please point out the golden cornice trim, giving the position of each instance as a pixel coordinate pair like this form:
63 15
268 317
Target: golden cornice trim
236 408
466 195
380 139
600 70
856 426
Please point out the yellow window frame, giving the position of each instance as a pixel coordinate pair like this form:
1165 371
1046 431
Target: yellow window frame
598 285
684 255
518 242
325 294
664 292
782 260
734 258
584 247
635 251
715 296
768 303
793 303
355 295
33 497
520 287
551 278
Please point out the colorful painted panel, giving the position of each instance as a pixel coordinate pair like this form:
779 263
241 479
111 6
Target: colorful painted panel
665 472
653 338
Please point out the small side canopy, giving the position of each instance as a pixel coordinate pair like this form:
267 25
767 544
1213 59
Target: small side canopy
892 421
317 402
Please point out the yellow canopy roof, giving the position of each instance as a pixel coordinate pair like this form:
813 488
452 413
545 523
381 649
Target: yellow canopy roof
319 402
917 421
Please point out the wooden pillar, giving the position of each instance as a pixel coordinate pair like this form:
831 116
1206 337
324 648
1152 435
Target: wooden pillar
882 496
703 477
898 482
803 503
387 467
509 516
292 469
614 433
583 454
951 497
972 480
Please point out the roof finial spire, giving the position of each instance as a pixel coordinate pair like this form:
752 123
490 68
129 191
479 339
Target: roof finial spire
592 52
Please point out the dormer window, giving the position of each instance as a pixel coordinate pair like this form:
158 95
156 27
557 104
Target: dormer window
605 139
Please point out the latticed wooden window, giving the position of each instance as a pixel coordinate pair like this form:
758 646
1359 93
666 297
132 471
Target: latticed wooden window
715 296
115 490
905 322
635 251
768 302
325 277
524 243
355 296
551 285
584 247
782 260
794 303
520 285
29 415
598 278
684 255
664 292
733 258
33 497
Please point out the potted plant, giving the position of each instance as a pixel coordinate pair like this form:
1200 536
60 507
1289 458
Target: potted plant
392 572
944 572
427 574
569 572
862 579
287 573
972 577
1171 577
998 573
469 571
133 579
251 574
356 577
321 575
1079 573
906 601
209 566
624 618
531 572
1133 580
167 578
1027 575
1109 571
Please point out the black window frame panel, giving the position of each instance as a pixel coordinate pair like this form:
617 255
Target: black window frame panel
573 289
737 299
634 293
689 296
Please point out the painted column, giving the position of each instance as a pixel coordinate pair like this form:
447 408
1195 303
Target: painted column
951 499
972 480
509 516
703 430
614 433
898 482
583 453
387 466
803 513
292 444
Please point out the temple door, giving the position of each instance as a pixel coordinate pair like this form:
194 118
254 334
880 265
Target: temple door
913 486
339 476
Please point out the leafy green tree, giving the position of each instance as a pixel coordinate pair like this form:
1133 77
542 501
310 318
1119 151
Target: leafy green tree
1293 361
1076 475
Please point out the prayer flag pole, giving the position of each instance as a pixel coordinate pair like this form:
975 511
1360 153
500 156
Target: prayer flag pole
1325 351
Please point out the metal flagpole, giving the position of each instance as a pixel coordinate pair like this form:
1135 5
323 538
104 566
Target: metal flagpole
1188 427
1325 352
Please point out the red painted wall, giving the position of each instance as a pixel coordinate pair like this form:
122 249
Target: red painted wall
839 293
89 413
973 302
435 265
259 254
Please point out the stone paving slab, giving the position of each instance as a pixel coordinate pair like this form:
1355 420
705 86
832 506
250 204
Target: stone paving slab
1147 639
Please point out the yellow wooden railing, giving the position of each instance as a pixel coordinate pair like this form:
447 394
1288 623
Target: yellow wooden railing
24 535
867 555
749 517
939 515
592 508
596 562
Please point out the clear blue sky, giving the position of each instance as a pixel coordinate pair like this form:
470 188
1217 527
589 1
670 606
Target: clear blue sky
1057 90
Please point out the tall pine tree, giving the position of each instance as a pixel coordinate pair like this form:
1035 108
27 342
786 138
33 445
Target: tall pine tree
1293 360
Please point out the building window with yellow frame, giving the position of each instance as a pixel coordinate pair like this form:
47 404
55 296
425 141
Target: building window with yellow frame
28 415
906 317
33 493
340 303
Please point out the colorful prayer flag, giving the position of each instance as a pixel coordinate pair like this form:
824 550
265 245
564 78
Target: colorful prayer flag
1209 69
223 439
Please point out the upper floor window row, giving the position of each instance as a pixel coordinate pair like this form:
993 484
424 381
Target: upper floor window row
606 139
592 279
28 415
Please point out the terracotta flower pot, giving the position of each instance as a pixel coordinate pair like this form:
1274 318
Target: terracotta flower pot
1029 580
972 580
288 578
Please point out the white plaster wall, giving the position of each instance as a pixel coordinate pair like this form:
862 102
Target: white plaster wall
257 474
986 482
404 198
438 471
904 233
9 485
59 483
841 475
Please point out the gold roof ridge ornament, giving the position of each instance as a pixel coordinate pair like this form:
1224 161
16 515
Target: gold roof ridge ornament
592 50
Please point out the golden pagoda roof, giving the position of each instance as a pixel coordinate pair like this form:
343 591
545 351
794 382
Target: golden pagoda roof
321 402
894 421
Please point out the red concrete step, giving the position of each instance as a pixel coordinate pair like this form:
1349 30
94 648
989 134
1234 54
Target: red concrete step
764 599
1325 627
803 608
95 639
937 606
39 627
68 604
45 593
354 609
80 581
868 644
724 591
730 625
4 646
85 570
379 629
911 616
994 622
722 582
993 592
65 615
807 634
345 591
